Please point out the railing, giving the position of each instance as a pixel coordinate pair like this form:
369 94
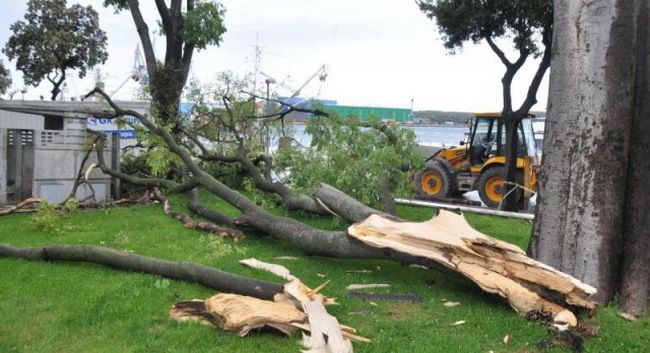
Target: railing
60 138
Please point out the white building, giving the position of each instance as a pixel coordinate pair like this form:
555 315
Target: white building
42 145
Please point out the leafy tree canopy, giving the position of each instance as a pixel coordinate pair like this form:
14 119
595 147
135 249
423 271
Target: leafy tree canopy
201 22
5 78
54 38
460 21
188 26
352 156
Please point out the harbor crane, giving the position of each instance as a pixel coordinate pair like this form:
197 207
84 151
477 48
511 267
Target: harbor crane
321 73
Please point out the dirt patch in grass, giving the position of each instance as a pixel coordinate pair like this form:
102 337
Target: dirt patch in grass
402 312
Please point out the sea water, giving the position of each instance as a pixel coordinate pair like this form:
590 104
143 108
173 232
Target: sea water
425 135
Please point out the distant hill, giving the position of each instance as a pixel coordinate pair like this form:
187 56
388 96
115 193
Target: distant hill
440 117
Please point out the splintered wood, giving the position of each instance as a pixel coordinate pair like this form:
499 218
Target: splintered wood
296 307
496 266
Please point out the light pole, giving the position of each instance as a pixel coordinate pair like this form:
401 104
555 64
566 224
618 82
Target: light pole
265 130
268 82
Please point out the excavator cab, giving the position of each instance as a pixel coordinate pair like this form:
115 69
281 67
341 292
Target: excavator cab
479 164
488 139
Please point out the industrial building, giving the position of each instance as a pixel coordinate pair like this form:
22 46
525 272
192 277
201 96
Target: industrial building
397 115
42 145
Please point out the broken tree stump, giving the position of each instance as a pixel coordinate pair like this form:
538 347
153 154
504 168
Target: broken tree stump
495 266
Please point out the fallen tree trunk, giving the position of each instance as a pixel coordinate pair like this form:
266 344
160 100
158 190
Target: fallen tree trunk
342 204
494 265
185 271
339 244
387 200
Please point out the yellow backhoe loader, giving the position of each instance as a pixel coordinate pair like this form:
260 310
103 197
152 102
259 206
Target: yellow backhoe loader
479 164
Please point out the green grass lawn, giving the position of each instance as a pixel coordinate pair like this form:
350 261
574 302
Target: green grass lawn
74 307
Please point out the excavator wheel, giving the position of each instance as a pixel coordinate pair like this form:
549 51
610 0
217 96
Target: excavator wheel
491 186
435 181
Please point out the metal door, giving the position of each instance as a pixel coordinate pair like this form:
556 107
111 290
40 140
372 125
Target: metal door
20 164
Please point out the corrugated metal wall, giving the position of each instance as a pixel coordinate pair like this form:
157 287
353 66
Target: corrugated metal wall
366 113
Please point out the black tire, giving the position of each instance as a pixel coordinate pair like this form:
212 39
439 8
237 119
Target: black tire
427 180
486 181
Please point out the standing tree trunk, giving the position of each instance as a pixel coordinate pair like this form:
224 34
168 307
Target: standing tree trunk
166 94
579 225
636 267
511 123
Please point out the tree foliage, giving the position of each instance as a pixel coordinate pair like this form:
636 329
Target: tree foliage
5 78
187 26
204 25
460 21
350 156
54 38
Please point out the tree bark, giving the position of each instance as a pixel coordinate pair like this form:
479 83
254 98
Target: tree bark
582 186
194 224
636 267
387 200
197 207
342 204
185 271
512 121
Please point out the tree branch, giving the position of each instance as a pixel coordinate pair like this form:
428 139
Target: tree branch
506 81
495 48
196 206
193 224
165 13
185 271
531 96
170 185
145 39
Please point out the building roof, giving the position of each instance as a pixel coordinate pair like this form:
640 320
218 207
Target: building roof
78 109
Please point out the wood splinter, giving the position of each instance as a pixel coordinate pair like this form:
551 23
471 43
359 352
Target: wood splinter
495 266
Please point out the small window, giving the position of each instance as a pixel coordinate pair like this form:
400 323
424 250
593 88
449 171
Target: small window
53 122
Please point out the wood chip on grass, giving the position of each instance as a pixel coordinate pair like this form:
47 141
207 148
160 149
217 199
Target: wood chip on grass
296 307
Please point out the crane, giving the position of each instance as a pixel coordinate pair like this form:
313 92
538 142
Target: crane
322 76
321 73
279 83
137 73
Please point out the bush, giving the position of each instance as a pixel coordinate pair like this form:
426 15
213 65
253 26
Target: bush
47 218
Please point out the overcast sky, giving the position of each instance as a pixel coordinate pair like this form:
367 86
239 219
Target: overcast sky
378 52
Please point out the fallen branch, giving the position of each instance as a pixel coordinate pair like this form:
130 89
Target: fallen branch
185 271
296 307
197 207
191 223
21 205
83 174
